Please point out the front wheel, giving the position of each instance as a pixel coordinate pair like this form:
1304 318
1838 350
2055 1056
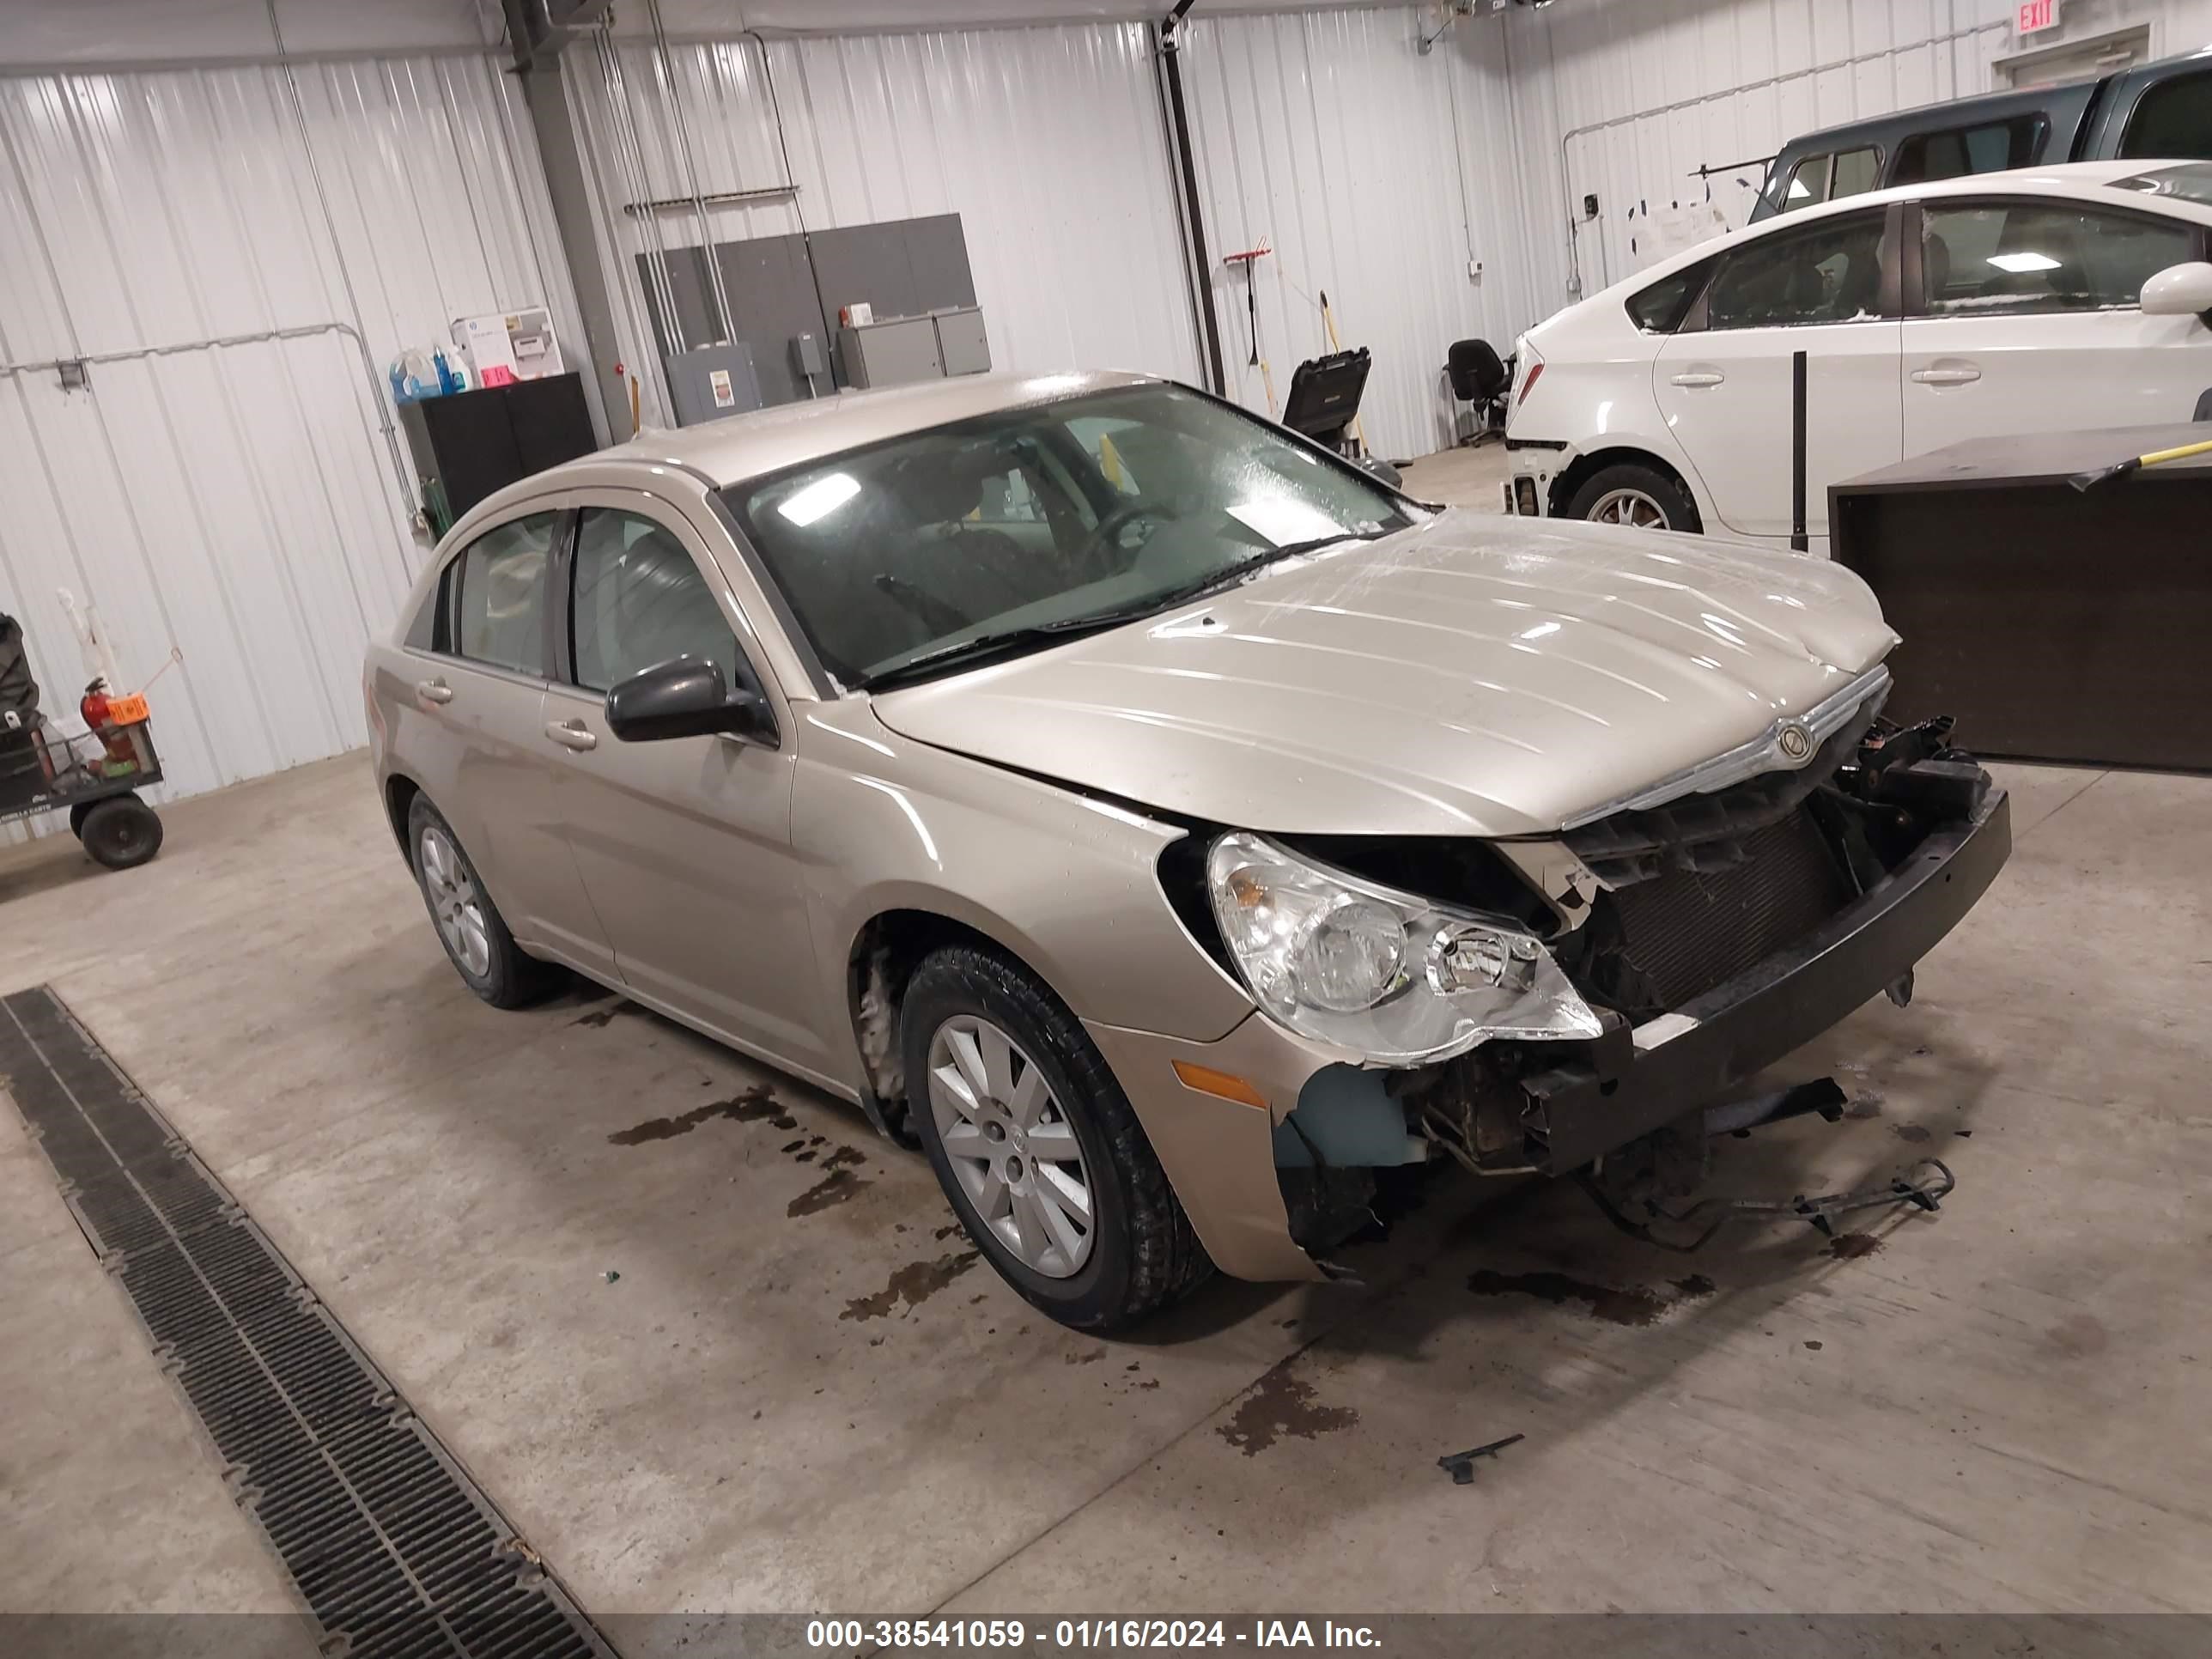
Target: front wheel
1640 496
1037 1146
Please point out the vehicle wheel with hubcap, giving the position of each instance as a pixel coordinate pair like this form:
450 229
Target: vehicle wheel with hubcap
1640 496
120 832
469 924
1037 1147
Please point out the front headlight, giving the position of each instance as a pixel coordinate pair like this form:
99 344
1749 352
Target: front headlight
1391 976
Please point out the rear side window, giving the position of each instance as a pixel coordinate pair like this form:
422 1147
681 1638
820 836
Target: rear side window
2023 257
1830 272
499 619
2172 120
1660 308
1958 152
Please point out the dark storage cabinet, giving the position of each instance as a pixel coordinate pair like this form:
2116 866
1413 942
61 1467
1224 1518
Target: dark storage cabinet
2056 624
470 444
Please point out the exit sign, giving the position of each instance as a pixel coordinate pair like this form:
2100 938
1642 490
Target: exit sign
2035 16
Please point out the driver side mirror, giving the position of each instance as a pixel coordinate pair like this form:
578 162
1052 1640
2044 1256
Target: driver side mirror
2183 290
686 698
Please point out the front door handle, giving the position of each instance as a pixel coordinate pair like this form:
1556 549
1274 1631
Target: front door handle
1697 377
1949 374
434 691
572 735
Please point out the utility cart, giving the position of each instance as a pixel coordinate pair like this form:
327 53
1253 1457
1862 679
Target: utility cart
96 776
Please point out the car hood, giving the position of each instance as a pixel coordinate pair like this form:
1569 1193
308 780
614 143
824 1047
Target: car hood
1471 675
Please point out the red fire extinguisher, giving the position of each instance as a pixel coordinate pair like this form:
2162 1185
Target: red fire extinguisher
93 709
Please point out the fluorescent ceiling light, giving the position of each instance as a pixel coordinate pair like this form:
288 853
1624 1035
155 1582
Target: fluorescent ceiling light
819 499
2019 264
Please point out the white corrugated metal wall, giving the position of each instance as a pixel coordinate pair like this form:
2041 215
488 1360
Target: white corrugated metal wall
1378 175
1046 141
243 504
1626 99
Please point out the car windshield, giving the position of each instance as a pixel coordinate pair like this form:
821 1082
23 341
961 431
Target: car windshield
1023 524
2192 182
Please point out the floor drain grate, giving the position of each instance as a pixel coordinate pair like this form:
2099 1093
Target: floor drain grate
394 1550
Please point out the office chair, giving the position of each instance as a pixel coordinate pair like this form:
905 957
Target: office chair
1480 378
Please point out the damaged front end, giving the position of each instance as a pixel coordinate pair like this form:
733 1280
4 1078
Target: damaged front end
1710 934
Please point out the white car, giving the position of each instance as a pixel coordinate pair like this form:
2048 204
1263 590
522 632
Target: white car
2051 299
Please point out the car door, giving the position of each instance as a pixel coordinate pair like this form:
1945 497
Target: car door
481 692
684 844
2026 320
1723 385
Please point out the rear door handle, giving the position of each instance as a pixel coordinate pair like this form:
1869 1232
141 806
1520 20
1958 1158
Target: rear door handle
1697 377
571 734
434 691
1956 375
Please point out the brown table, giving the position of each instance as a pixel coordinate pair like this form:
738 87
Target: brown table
2056 624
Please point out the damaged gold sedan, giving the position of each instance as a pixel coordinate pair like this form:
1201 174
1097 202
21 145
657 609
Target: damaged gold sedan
1164 823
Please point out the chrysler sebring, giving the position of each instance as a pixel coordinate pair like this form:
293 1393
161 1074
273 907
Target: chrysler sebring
1161 822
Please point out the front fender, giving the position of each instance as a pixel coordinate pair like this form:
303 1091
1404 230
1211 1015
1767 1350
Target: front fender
1067 884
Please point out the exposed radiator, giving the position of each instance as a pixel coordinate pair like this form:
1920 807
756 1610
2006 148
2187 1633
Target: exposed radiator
1660 942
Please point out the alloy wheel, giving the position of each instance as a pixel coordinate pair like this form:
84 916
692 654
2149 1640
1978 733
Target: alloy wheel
1010 1146
455 904
1628 506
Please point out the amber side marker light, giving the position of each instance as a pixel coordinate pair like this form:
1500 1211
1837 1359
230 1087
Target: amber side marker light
1224 1085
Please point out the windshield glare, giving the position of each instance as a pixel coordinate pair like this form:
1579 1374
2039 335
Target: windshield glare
1036 518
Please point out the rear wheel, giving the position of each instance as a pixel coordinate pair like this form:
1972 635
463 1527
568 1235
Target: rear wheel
483 952
120 832
1641 496
1037 1147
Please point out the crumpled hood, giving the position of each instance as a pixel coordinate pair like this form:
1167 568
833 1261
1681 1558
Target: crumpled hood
1472 674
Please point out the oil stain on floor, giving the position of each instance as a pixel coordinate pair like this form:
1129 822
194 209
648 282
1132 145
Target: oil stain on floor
837 1185
1849 1247
912 1284
757 1104
1280 1405
1634 1305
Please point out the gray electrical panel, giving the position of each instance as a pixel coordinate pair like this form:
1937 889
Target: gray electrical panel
891 351
961 345
710 382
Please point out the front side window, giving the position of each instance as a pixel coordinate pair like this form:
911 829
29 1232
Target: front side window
2172 120
638 601
1830 272
2004 258
499 616
1957 152
1014 528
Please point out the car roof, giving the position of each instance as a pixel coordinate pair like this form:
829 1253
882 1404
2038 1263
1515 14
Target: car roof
1944 114
763 440
2082 181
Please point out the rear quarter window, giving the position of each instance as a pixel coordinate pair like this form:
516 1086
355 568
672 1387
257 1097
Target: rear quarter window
1660 308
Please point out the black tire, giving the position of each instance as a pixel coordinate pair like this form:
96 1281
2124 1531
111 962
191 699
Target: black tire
77 817
121 832
1143 1254
1673 503
510 978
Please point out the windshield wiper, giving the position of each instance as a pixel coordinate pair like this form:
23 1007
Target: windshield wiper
1092 622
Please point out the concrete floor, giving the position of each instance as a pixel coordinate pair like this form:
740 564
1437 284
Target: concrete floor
803 1394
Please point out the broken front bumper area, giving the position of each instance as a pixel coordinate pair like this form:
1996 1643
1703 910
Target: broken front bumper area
1554 1109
